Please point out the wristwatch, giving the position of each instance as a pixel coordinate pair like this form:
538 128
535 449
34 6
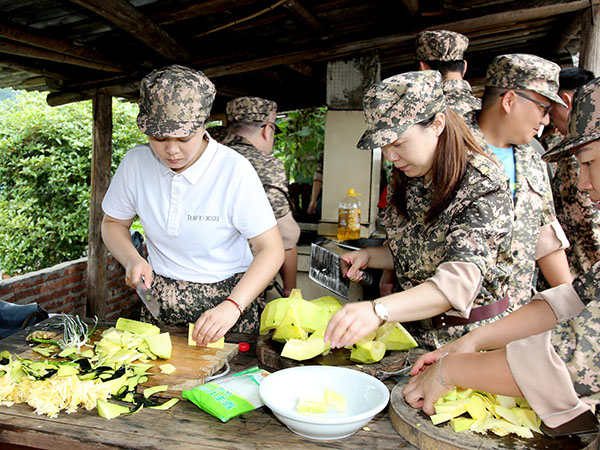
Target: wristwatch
381 311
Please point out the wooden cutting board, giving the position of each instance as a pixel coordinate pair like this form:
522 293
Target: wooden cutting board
193 364
268 353
416 427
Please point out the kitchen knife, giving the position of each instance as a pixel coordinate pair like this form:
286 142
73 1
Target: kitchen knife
148 299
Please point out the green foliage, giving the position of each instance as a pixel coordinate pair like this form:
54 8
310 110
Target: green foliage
300 145
45 164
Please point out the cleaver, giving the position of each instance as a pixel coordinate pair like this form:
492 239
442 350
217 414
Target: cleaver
148 299
326 269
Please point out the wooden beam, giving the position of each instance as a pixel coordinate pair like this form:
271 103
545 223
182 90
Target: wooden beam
101 158
27 36
195 10
302 68
341 50
589 55
121 90
13 48
122 14
412 6
304 14
337 51
31 68
240 20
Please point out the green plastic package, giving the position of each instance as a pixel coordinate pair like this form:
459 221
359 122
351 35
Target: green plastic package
230 396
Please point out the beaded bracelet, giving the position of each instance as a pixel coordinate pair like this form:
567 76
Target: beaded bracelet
235 303
439 374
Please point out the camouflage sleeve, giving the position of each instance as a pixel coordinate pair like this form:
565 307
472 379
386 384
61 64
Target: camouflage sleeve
480 229
563 300
278 200
587 285
548 212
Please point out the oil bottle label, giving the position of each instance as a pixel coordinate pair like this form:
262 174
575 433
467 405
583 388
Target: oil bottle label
354 219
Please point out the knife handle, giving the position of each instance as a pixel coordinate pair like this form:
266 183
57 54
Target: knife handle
367 279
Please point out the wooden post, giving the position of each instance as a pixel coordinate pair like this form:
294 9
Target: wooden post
101 157
589 56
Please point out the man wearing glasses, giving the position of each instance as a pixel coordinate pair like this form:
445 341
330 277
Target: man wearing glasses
252 129
520 91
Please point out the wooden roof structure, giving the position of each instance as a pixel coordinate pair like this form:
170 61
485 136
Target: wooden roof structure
278 49
273 48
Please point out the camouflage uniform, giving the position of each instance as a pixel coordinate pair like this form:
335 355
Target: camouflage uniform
577 214
175 101
575 339
475 227
445 45
533 204
179 305
459 97
269 168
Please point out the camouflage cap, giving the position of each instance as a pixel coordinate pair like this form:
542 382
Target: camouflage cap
528 72
175 101
392 106
441 45
584 125
251 109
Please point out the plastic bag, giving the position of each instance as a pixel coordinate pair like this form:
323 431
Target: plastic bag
230 396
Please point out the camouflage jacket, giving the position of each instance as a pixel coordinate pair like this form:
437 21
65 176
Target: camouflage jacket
578 216
577 340
459 96
270 171
476 228
533 208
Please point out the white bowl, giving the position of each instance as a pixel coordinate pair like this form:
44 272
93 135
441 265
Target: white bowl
365 397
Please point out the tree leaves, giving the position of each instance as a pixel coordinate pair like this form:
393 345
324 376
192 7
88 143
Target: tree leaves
45 167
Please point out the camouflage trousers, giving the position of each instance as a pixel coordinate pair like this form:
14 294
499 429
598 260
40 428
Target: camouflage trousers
183 302
577 342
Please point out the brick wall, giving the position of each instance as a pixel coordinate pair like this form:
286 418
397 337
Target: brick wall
63 288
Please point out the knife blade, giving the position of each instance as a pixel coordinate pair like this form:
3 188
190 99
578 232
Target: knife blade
148 299
326 269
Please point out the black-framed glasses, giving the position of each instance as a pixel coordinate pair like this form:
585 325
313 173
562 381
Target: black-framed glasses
545 108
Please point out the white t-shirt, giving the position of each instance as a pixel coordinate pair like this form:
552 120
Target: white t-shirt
197 222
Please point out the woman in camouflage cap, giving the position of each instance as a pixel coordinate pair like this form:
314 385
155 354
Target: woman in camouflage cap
448 223
548 350
200 203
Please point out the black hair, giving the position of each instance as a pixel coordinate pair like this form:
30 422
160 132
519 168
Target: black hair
491 95
572 78
447 66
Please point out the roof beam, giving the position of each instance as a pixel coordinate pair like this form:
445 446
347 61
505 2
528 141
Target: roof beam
27 36
18 49
304 14
122 14
195 10
341 50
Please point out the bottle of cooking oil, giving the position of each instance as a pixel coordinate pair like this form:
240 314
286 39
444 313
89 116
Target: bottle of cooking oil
349 217
342 226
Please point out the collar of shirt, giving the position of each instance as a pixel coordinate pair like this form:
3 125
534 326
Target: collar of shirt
193 173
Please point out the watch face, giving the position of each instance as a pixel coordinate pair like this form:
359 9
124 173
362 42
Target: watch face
381 311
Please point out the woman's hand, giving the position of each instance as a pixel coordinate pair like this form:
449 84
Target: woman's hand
214 323
465 344
423 390
136 270
354 261
349 324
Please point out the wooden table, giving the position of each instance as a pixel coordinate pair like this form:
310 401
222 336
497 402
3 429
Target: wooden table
183 426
